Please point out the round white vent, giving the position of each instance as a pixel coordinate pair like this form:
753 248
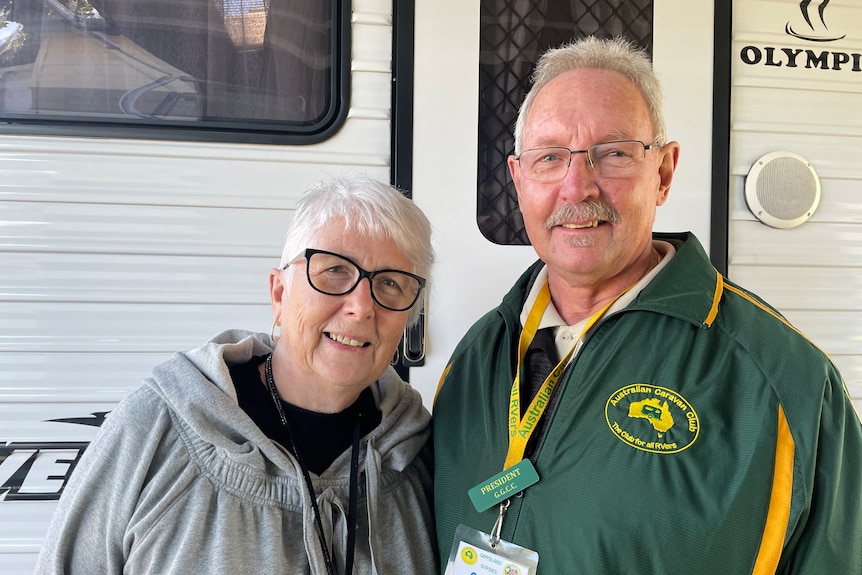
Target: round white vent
782 190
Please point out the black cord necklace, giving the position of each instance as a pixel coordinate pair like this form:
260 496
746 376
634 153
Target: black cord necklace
354 476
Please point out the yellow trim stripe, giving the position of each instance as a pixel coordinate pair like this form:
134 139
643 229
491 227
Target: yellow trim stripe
775 530
744 295
716 297
440 383
788 324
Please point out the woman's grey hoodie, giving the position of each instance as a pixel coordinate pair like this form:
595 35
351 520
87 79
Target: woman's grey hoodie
180 480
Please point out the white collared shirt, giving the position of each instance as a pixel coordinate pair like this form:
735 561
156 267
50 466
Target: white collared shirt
567 335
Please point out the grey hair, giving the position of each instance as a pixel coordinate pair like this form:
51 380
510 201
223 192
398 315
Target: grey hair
615 54
370 208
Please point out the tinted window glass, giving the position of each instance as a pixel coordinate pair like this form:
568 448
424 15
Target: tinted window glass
267 66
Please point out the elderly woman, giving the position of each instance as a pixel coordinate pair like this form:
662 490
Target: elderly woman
298 452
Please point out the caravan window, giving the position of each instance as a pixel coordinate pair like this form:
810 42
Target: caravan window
250 70
512 37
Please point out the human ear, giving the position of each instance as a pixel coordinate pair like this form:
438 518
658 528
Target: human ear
668 158
276 291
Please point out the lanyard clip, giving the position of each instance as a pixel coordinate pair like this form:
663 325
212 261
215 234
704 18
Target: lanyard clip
498 525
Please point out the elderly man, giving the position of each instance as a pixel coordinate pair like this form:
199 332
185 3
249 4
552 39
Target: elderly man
626 409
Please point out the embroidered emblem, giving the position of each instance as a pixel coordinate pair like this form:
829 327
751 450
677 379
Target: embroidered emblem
652 418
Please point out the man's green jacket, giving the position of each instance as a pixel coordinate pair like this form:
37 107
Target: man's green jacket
696 432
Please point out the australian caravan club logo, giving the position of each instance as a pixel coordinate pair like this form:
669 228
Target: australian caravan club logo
39 470
652 418
808 23
817 30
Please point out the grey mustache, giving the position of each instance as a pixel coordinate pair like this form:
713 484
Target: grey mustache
588 210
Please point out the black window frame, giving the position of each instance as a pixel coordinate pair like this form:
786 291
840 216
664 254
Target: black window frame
525 30
225 132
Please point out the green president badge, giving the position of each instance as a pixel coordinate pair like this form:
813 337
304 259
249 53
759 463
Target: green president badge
504 485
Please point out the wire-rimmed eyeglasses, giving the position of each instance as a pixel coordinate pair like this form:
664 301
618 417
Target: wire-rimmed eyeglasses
334 274
608 159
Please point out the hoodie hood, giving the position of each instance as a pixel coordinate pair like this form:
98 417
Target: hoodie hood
197 387
238 457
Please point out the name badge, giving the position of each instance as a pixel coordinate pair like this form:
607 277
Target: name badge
471 560
504 485
473 554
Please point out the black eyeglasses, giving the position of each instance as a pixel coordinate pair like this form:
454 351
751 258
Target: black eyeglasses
333 274
609 159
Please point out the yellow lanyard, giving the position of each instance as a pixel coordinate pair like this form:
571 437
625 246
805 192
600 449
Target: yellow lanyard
520 429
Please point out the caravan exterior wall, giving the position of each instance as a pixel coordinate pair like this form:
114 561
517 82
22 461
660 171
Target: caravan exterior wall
796 88
118 252
115 253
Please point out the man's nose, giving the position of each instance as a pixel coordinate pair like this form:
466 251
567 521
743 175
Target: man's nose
580 179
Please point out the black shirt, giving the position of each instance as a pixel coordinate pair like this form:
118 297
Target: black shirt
320 437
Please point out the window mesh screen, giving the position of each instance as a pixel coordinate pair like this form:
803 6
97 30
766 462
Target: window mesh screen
514 33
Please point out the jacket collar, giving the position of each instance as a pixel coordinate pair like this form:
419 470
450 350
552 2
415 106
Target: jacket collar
688 288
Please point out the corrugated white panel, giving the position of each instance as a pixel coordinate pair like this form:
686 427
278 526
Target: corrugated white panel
820 119
52 376
115 254
764 21
128 229
100 277
180 173
23 525
108 327
832 155
372 30
787 287
40 466
24 422
851 368
835 332
809 245
813 273
365 95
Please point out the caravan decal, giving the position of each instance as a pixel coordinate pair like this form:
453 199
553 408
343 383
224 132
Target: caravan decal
31 471
39 471
799 58
811 27
95 419
819 30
